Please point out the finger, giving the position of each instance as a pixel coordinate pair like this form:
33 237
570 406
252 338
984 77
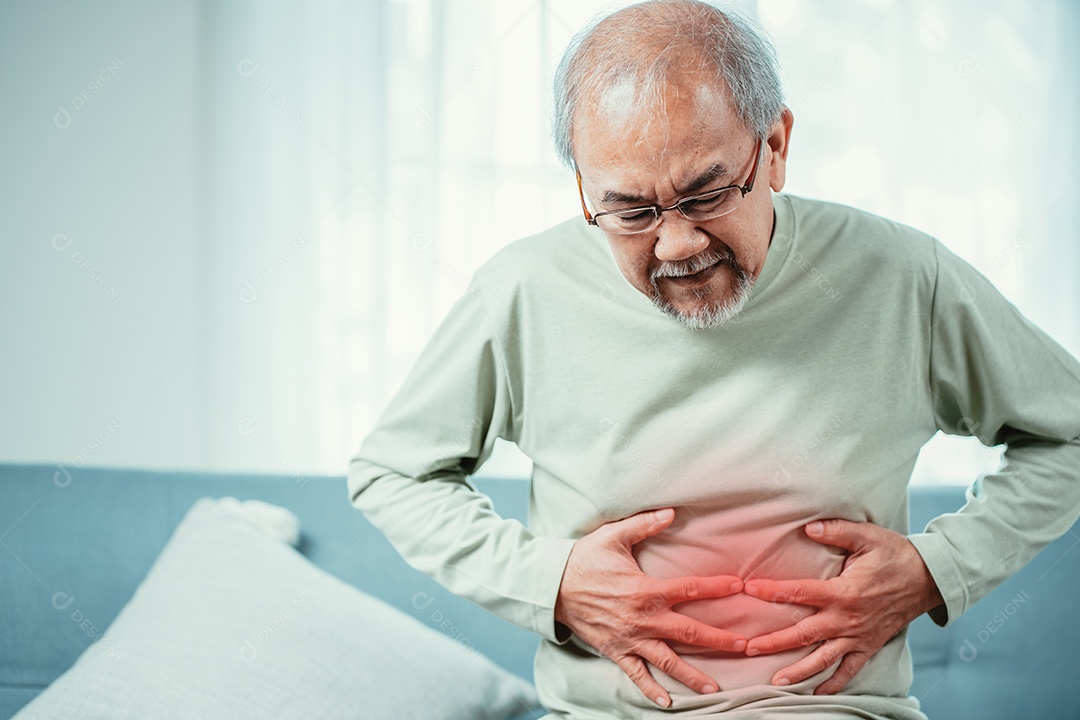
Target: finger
800 592
823 658
850 666
804 633
679 590
672 625
852 536
635 669
636 528
667 661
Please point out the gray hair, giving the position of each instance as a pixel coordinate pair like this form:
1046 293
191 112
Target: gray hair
646 42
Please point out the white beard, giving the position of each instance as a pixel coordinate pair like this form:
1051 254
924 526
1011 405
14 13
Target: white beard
709 316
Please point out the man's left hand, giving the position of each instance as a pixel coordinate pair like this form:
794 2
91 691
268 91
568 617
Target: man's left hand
884 586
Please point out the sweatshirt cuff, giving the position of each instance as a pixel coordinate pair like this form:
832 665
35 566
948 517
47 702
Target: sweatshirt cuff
557 552
938 556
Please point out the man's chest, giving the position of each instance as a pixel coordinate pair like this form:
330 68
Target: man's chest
809 414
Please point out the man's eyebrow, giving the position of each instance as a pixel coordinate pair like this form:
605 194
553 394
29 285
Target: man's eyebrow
716 170
615 197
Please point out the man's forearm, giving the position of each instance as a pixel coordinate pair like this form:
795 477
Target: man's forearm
1009 517
448 530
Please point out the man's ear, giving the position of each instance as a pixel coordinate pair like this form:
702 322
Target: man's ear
778 142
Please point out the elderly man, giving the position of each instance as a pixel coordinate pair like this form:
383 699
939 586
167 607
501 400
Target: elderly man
723 390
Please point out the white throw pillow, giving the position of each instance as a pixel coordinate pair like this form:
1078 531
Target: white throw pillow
231 622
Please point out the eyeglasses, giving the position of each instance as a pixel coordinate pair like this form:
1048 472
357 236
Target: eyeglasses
706 206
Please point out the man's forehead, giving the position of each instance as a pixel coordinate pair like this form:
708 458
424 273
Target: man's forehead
625 105
626 141
626 169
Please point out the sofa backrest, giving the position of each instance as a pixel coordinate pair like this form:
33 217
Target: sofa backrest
93 533
1015 653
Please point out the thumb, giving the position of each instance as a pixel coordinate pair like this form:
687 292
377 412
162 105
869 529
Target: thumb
636 528
853 536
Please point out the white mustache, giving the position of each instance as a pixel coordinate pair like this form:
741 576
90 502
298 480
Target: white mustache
693 265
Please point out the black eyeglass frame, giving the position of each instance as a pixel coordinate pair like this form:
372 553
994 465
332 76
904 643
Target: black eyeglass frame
657 210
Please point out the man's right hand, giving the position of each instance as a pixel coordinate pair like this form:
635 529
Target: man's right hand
609 603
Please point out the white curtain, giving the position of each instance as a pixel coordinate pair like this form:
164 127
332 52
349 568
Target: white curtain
364 158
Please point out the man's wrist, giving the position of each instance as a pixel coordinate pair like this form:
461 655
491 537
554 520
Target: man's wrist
931 595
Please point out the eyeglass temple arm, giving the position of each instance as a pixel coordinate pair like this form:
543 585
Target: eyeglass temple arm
753 174
581 194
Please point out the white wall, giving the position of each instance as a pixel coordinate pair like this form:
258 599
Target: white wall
100 280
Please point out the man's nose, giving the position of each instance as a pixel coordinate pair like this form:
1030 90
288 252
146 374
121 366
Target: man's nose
678 238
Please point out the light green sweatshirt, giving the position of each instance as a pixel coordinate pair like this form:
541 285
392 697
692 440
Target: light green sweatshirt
861 339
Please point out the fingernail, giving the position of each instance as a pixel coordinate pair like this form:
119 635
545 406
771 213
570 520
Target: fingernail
736 586
815 528
783 681
709 689
665 514
739 645
752 652
662 701
750 589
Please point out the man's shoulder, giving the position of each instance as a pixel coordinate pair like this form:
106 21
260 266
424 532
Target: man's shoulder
816 214
862 235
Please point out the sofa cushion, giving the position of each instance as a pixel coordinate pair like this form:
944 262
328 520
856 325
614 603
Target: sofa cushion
232 622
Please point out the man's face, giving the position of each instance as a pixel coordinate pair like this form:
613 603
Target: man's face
699 272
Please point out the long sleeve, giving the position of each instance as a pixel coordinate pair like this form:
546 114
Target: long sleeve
997 377
409 476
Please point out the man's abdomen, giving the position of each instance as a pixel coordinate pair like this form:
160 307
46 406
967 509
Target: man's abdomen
748 543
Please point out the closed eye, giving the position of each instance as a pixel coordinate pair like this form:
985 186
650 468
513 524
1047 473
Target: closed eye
708 202
634 214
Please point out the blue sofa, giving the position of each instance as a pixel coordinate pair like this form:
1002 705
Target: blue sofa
94 533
